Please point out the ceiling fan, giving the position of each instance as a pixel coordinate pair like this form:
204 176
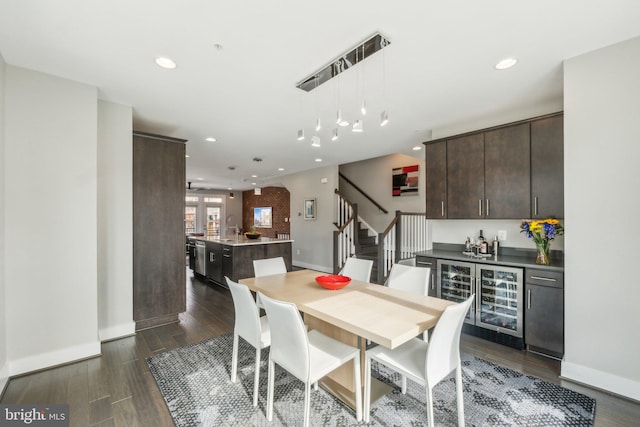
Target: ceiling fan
189 187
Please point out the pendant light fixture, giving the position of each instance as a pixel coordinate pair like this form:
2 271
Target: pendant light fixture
384 117
333 69
363 106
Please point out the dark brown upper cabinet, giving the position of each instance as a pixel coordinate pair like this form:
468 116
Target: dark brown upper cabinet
436 179
547 167
507 172
512 171
465 177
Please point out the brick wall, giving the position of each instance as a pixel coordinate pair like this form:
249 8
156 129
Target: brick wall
277 198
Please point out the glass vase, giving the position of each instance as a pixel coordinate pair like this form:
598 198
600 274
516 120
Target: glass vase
543 254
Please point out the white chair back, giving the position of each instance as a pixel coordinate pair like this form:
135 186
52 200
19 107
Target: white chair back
443 353
269 266
289 341
247 316
409 278
357 269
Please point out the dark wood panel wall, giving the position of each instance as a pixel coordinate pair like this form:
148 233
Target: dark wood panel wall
159 292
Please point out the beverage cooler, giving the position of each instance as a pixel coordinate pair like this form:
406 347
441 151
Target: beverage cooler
499 291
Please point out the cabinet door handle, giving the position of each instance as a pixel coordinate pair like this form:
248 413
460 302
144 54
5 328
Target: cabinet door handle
528 299
479 207
424 263
433 281
212 256
546 279
535 206
442 208
487 207
226 256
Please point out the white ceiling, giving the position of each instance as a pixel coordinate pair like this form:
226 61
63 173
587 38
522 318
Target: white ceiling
438 71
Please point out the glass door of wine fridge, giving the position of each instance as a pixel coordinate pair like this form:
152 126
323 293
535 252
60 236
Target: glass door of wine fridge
455 283
499 298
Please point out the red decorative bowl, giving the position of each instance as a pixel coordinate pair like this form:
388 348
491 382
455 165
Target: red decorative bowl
333 281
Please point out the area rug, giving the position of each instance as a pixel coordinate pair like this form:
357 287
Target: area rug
195 383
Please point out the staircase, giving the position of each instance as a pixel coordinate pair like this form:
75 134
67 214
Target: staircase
367 248
404 236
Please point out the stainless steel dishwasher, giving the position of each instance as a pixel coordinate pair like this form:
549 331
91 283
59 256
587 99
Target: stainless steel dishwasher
201 258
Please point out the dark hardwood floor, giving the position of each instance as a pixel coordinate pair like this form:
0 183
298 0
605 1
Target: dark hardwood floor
117 389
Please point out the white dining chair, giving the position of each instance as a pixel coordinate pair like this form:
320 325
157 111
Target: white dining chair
308 356
425 363
357 269
269 266
251 327
409 278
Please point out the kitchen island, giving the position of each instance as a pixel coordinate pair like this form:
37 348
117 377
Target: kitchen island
233 256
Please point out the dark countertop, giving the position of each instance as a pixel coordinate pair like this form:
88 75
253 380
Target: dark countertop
240 241
512 257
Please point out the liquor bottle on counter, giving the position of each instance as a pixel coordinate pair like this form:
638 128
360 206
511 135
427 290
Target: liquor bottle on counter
495 246
483 246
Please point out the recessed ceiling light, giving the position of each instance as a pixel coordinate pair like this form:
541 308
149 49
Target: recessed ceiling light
253 183
229 188
210 139
187 156
200 179
164 62
280 169
318 159
254 176
506 63
417 148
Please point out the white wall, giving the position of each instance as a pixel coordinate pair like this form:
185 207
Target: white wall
374 177
313 239
4 368
50 220
115 222
602 152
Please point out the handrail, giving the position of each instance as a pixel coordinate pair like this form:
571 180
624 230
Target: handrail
362 192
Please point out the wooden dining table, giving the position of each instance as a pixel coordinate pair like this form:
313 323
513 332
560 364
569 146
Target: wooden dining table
359 312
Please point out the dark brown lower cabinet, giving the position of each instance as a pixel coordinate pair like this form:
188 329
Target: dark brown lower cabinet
236 262
544 312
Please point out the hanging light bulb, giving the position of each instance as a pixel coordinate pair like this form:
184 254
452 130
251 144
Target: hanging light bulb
384 118
315 141
334 137
357 126
300 134
341 121
363 106
318 124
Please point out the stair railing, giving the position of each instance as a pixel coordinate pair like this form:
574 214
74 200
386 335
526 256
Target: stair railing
345 237
405 235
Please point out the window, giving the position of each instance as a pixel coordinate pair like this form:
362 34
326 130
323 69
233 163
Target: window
190 219
213 221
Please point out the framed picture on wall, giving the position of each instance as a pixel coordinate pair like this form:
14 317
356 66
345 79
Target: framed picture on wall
262 218
309 208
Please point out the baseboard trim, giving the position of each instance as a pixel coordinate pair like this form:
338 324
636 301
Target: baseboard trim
600 380
53 358
4 379
119 331
321 268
